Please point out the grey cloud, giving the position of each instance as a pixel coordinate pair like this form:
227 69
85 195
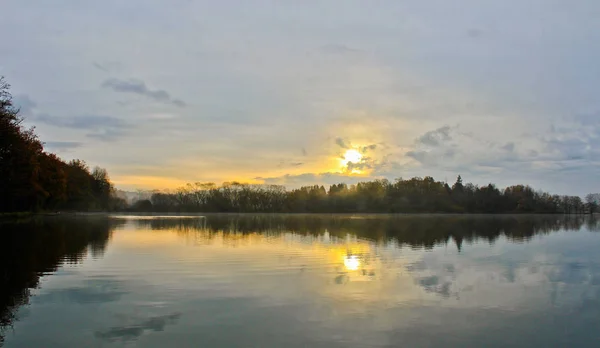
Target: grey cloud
81 122
304 153
572 146
449 149
435 137
178 102
282 163
107 134
510 147
100 127
133 332
449 153
62 145
338 49
572 142
341 143
364 149
108 66
100 66
420 156
139 87
365 163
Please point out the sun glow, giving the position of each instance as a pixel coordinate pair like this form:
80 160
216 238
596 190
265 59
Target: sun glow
351 156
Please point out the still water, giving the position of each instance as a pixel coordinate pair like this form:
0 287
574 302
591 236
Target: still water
300 281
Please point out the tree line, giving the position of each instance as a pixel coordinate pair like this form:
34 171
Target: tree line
416 195
36 180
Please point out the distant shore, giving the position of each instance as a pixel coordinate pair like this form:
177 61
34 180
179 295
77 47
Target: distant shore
167 213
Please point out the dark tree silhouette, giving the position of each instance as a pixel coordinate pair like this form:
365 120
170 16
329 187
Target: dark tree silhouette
33 179
416 195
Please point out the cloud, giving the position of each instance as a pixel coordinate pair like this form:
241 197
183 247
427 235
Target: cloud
435 137
100 67
108 66
450 151
341 143
510 147
107 134
62 145
367 148
178 102
417 155
365 163
139 87
572 142
304 153
99 127
338 49
297 164
81 122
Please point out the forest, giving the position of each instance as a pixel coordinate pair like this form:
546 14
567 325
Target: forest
35 180
416 195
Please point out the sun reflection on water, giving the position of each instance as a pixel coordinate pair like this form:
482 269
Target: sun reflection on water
351 262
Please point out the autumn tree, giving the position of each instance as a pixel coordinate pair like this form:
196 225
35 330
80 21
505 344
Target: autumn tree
32 179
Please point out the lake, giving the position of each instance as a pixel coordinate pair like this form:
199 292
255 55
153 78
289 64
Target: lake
300 281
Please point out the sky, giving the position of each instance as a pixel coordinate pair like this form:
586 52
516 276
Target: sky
312 92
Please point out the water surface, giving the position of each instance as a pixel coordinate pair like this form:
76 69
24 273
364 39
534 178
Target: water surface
300 281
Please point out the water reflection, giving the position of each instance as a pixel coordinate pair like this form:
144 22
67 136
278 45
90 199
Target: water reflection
351 262
132 332
416 231
32 248
301 280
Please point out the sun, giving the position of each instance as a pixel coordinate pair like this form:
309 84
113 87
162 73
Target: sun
351 156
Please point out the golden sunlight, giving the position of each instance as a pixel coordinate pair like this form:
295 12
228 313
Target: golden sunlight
351 155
